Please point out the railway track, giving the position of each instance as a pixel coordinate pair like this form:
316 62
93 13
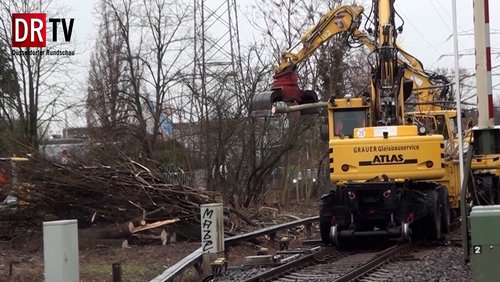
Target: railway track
330 264
316 262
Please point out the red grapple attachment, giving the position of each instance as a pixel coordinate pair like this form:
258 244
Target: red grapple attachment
284 88
286 84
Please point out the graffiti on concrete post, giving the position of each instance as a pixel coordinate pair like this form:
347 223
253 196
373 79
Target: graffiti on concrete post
212 231
207 221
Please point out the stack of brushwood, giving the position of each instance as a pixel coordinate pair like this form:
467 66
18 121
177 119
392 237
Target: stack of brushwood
118 197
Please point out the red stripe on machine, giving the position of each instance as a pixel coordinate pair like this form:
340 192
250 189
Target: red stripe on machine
486 12
488 58
490 106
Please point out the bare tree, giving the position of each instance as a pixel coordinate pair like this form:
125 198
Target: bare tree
154 39
107 108
169 37
237 151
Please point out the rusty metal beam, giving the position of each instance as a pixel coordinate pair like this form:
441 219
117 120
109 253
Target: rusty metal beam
176 269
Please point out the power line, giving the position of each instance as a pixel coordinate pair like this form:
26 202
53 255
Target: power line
416 30
439 14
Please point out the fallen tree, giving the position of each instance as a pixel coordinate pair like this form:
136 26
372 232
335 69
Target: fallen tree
116 196
114 193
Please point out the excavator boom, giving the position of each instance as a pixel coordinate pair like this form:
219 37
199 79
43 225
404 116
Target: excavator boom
430 89
285 87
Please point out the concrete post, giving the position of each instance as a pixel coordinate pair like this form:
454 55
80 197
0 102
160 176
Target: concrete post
212 234
60 251
483 63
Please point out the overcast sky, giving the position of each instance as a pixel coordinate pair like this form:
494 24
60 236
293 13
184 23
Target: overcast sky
429 25
426 35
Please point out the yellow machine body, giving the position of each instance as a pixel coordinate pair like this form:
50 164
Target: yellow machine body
402 154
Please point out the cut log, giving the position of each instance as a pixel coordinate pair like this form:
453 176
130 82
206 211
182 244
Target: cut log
153 225
115 232
152 236
121 231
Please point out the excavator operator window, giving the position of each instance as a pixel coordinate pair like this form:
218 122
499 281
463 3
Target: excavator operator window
453 127
347 120
428 121
442 128
437 124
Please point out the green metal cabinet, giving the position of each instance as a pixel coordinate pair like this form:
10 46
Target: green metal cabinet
485 241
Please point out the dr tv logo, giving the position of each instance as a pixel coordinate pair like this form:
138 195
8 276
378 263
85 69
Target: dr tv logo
30 29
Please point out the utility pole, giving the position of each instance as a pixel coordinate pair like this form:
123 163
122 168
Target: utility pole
483 64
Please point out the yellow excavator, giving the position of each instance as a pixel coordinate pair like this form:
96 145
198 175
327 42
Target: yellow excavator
393 156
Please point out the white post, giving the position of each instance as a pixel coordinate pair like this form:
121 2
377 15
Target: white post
458 97
60 251
212 234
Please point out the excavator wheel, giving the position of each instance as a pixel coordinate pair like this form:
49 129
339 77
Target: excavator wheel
326 216
324 229
433 219
445 209
334 235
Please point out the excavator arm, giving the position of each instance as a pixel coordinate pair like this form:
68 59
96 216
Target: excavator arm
431 89
285 86
428 87
347 19
338 20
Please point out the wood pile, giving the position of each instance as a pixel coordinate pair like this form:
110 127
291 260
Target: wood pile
123 197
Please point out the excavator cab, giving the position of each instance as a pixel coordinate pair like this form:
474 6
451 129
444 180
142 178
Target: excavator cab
346 114
347 120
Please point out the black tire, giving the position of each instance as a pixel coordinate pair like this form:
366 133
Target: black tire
433 218
445 210
324 229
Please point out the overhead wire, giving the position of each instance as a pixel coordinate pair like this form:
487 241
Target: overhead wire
416 30
440 16
442 19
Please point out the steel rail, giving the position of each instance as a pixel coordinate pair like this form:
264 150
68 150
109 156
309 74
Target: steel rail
373 264
270 229
287 267
170 273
